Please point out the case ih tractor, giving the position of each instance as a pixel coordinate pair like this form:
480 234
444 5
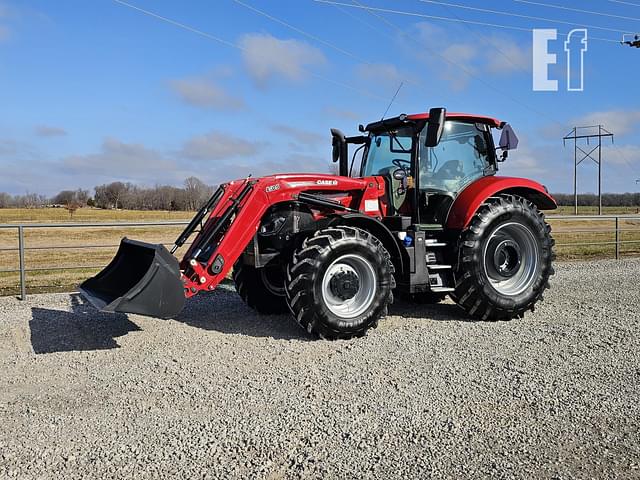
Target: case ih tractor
425 217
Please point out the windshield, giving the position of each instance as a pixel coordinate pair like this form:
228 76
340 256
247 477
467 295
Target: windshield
389 151
461 157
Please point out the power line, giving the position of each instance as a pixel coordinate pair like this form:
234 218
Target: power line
625 3
579 10
300 31
488 42
311 36
372 11
449 19
518 15
238 47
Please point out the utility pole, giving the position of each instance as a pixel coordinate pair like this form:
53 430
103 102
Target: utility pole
577 134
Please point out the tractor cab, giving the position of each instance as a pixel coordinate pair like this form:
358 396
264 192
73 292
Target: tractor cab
427 160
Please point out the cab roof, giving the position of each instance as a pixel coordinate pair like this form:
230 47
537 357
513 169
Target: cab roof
467 117
396 122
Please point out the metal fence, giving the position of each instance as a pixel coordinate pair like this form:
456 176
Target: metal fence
616 225
619 225
21 248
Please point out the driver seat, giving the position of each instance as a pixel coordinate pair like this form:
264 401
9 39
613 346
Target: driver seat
396 192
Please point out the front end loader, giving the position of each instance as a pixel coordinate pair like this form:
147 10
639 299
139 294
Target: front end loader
425 217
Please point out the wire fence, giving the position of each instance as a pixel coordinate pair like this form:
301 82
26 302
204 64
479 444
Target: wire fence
30 251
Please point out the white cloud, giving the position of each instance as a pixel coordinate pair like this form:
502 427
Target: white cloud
381 73
267 58
219 145
205 93
342 113
300 136
119 160
618 122
478 55
49 131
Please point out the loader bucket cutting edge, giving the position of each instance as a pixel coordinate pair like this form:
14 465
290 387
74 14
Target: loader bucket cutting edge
142 278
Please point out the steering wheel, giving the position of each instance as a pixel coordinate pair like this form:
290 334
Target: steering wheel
398 162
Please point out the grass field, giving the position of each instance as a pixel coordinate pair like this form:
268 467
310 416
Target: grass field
52 248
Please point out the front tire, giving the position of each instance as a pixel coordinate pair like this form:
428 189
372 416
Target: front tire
261 288
339 283
504 260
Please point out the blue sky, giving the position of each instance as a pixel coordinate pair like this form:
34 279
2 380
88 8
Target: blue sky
96 91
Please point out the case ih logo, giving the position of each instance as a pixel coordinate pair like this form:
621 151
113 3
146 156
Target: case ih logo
326 182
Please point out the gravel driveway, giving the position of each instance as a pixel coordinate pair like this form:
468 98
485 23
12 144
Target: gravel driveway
223 393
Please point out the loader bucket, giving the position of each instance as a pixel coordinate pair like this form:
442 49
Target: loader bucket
142 278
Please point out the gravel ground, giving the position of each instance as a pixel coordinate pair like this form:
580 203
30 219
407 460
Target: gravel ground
223 393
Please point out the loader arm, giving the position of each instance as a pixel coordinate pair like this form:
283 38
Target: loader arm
236 216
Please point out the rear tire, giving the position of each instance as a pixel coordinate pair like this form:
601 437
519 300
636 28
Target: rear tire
260 288
340 283
504 259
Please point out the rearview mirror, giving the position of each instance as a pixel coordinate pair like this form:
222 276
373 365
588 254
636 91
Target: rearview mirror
435 126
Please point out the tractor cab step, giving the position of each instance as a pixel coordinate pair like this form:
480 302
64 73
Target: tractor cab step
431 227
433 266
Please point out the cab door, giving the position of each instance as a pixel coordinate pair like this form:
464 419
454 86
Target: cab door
464 154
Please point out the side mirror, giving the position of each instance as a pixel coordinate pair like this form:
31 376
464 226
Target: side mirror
435 126
508 141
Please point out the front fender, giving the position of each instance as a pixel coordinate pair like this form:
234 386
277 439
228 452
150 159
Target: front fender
474 195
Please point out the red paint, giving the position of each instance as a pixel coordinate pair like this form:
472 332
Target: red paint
269 191
465 117
470 199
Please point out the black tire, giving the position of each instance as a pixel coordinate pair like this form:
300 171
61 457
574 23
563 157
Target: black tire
335 270
504 259
256 293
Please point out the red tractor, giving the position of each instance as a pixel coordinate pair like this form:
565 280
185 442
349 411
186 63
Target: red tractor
425 217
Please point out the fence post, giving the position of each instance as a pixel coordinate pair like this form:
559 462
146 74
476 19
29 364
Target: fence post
23 285
617 238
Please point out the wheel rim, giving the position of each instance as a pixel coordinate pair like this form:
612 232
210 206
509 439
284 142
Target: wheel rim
349 286
511 258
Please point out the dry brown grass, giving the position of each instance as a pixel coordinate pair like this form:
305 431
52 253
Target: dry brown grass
49 240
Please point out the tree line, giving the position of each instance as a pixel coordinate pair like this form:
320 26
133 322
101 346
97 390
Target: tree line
195 192
119 195
591 199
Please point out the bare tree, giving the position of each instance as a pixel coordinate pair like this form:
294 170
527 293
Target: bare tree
196 192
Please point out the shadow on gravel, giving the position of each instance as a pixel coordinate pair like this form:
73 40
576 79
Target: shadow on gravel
83 328
443 312
223 311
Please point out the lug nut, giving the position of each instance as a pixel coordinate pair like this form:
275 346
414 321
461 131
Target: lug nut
192 262
203 279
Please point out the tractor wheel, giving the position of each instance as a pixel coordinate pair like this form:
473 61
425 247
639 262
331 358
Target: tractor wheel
339 283
261 288
504 259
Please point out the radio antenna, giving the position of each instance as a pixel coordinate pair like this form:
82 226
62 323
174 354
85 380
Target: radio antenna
392 100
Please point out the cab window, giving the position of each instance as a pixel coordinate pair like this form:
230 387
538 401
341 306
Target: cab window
389 151
461 157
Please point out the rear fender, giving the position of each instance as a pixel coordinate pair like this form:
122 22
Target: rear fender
472 197
377 229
